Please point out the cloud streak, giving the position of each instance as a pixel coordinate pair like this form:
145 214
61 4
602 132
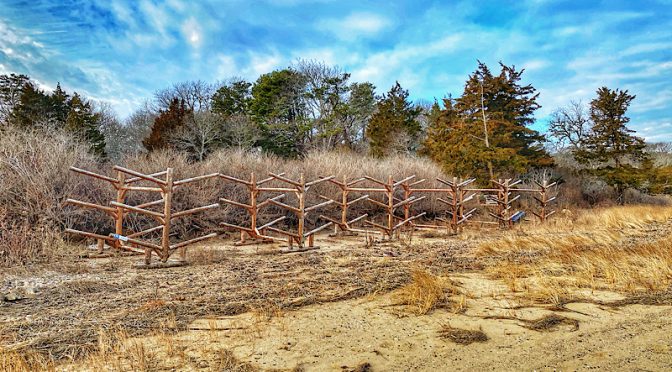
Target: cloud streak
122 51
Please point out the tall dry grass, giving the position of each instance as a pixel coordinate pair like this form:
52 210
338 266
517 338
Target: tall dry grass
623 249
34 184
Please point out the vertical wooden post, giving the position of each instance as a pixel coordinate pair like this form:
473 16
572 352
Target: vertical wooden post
300 193
119 218
544 201
167 207
390 206
344 203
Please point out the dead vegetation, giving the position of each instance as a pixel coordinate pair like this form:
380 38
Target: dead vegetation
462 336
425 292
622 249
550 323
64 322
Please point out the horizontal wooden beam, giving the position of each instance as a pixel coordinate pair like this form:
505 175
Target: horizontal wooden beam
144 232
136 179
317 229
135 241
136 209
234 179
194 179
94 175
271 223
84 204
89 234
192 241
146 177
193 210
316 206
237 204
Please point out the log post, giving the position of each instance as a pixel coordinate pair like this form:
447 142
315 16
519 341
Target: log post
167 207
119 214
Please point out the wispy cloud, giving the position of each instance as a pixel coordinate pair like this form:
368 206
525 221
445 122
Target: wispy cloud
355 25
121 51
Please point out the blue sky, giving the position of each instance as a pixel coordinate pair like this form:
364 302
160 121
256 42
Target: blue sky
122 51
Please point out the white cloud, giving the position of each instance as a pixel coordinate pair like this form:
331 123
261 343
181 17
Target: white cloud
192 32
355 25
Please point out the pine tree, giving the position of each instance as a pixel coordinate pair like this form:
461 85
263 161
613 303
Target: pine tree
393 123
278 108
485 133
612 151
59 106
83 123
32 109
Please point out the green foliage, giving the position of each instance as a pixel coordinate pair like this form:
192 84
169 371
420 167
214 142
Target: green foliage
485 133
11 89
32 109
56 111
611 151
278 108
232 99
394 121
83 123
167 123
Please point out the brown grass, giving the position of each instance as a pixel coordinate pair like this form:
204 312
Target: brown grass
623 249
462 336
425 292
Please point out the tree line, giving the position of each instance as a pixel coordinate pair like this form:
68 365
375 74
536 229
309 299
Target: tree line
486 132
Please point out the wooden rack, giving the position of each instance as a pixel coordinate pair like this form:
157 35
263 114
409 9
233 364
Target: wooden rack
299 188
543 200
344 224
256 233
117 209
457 197
391 204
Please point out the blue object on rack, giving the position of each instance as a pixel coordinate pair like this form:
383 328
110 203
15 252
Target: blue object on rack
517 216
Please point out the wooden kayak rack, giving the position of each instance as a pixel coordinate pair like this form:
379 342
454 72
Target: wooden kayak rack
399 205
125 240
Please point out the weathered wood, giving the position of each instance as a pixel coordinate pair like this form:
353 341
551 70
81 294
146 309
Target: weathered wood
194 210
84 204
94 175
194 179
145 177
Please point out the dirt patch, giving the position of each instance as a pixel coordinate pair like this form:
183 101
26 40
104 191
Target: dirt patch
462 336
550 323
65 320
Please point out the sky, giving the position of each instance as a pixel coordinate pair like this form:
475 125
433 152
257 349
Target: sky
121 52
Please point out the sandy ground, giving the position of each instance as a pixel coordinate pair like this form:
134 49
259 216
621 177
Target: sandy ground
347 334
327 310
377 334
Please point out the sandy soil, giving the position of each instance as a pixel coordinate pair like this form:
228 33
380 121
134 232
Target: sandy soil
330 309
347 334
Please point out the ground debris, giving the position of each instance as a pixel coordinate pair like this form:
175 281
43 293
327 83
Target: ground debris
462 336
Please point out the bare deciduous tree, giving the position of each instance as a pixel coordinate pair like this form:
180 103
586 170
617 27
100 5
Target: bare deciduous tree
195 94
201 134
570 126
241 132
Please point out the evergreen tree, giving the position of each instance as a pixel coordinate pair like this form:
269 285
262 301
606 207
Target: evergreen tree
278 109
59 106
393 123
167 123
84 123
485 133
611 150
232 99
32 109
11 89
